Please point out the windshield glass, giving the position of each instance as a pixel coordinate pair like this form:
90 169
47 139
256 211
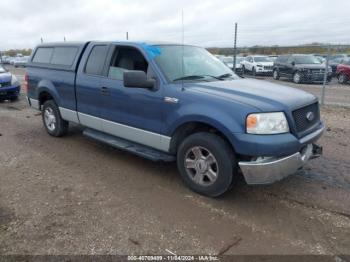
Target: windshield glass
178 62
2 70
262 59
308 59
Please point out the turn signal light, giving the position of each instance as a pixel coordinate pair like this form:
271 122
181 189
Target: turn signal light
252 120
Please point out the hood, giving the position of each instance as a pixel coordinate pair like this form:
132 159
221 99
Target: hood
263 95
5 77
311 66
265 63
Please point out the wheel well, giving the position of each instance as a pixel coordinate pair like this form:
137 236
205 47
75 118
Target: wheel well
43 97
188 129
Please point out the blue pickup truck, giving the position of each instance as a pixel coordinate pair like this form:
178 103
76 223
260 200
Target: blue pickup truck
171 102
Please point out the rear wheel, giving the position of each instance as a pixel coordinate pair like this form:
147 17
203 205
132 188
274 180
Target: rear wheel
276 75
342 79
243 70
53 122
297 78
207 164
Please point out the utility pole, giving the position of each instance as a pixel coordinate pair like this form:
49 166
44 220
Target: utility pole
325 76
235 50
127 35
41 40
64 39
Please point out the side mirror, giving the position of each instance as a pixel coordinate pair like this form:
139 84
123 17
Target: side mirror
137 79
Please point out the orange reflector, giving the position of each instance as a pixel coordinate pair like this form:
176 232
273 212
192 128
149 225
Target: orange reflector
252 121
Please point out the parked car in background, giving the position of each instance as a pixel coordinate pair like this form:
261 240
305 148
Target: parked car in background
9 85
257 65
21 61
6 60
300 68
332 57
228 60
169 102
321 59
343 72
12 60
335 62
273 57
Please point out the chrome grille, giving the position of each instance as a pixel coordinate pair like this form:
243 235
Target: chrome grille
303 120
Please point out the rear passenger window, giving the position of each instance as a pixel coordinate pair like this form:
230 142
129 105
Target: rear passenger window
64 56
96 60
43 55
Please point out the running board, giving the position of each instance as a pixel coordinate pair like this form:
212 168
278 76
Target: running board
137 149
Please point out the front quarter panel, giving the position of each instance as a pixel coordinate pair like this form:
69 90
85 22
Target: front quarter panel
226 116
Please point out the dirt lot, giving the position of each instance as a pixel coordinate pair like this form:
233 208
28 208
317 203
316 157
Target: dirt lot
72 195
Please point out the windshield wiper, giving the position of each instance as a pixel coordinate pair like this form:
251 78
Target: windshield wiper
224 76
195 77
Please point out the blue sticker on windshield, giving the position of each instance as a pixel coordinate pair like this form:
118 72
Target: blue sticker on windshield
151 50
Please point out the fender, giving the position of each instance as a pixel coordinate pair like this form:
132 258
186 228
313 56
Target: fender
226 123
47 86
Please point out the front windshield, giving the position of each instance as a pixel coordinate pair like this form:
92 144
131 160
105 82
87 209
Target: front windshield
180 62
2 70
307 59
262 59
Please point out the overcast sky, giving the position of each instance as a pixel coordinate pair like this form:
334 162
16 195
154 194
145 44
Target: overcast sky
206 22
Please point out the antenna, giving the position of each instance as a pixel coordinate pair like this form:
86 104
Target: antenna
183 48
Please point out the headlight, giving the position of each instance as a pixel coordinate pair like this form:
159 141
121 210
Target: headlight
14 80
259 65
267 123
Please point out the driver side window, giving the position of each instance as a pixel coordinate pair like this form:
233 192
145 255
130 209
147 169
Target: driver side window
125 59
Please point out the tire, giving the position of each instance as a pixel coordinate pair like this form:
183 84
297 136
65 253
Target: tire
52 120
276 75
342 79
254 71
243 70
207 154
297 78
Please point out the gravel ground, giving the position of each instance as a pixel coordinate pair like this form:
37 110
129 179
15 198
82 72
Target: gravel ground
72 195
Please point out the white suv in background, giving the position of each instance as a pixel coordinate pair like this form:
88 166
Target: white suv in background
257 65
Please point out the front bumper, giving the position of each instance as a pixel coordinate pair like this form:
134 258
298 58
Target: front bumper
271 169
9 92
315 77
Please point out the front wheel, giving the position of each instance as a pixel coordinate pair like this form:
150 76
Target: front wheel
342 79
207 164
297 78
53 122
254 71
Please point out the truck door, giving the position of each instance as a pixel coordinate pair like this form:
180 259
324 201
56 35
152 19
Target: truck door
130 113
88 85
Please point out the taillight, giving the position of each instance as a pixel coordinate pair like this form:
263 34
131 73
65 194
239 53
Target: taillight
26 83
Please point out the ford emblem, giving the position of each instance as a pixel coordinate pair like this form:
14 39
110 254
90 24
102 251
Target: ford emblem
310 116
